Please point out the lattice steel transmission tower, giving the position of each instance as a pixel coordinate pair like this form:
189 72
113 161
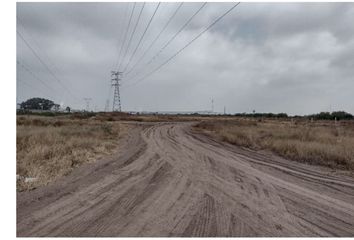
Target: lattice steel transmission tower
116 97
87 100
106 107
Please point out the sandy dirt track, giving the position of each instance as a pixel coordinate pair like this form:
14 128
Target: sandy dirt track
170 181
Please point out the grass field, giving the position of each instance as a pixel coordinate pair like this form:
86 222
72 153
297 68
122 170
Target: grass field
50 147
323 143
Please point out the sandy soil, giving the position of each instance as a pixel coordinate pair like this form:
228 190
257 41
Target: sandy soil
170 181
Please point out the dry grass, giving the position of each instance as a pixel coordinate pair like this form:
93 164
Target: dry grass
321 143
115 116
50 147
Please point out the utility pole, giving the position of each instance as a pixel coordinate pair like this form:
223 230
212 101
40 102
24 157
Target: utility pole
106 106
116 97
212 105
87 100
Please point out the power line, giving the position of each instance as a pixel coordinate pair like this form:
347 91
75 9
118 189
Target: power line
121 19
44 64
30 86
115 74
40 49
34 75
125 36
36 42
156 38
132 35
173 37
142 36
185 46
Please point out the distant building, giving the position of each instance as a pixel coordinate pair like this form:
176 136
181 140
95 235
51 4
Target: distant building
55 108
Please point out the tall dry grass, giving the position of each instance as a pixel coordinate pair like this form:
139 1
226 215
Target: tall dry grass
322 143
113 116
50 147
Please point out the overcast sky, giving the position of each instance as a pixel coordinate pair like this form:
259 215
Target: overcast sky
279 57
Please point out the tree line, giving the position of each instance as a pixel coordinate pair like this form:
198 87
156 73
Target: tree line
40 104
337 115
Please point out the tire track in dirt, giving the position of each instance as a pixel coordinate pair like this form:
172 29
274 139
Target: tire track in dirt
170 181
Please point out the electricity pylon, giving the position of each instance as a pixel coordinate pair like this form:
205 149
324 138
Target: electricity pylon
87 100
106 106
116 97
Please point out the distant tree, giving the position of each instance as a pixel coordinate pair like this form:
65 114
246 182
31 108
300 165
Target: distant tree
341 115
67 109
321 116
282 115
38 104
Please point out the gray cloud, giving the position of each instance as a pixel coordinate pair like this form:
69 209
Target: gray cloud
277 57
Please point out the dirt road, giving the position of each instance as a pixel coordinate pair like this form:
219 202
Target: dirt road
169 181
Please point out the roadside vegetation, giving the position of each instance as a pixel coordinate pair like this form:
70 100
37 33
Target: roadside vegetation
50 147
327 143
